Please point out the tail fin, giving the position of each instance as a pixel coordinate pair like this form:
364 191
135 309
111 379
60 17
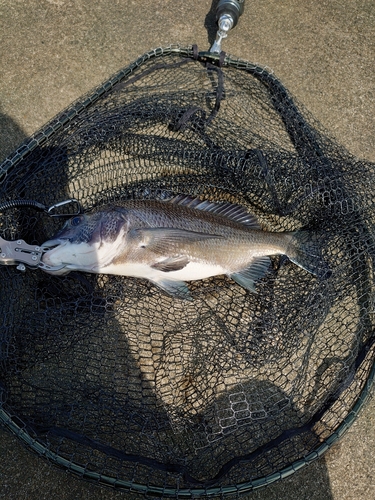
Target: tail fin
305 251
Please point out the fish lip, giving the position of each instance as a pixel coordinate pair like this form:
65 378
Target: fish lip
50 244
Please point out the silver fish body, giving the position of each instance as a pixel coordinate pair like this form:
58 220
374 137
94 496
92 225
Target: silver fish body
171 242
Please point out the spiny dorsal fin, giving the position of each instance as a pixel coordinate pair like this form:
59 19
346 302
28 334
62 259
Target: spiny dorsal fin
229 210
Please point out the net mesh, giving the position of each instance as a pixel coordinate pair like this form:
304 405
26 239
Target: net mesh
115 380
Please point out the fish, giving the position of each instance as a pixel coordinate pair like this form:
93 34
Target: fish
171 242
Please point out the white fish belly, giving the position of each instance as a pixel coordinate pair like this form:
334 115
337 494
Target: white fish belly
192 271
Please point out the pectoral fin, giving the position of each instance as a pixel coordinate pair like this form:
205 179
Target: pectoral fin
177 289
160 240
171 264
249 276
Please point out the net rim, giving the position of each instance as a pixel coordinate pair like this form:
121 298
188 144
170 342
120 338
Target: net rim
61 121
244 487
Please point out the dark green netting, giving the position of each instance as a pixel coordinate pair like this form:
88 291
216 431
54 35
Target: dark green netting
118 382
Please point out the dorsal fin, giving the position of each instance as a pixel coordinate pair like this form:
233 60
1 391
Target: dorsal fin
229 210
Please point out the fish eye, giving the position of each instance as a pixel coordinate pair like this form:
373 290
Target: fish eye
75 221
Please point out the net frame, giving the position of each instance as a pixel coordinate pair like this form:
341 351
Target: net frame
15 424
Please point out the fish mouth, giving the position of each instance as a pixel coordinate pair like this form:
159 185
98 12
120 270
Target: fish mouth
61 256
50 244
49 266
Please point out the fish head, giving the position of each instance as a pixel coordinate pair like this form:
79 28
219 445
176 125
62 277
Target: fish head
87 242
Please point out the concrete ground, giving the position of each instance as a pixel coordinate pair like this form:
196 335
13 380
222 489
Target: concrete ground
52 51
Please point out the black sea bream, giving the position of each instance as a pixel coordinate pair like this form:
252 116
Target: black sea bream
171 242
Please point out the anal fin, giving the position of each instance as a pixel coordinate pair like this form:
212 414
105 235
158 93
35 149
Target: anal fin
248 277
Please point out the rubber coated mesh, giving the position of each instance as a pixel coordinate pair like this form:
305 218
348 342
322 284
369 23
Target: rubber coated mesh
115 380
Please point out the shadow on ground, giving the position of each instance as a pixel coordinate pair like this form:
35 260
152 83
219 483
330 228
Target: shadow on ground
11 135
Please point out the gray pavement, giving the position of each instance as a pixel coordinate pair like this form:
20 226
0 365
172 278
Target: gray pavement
53 51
